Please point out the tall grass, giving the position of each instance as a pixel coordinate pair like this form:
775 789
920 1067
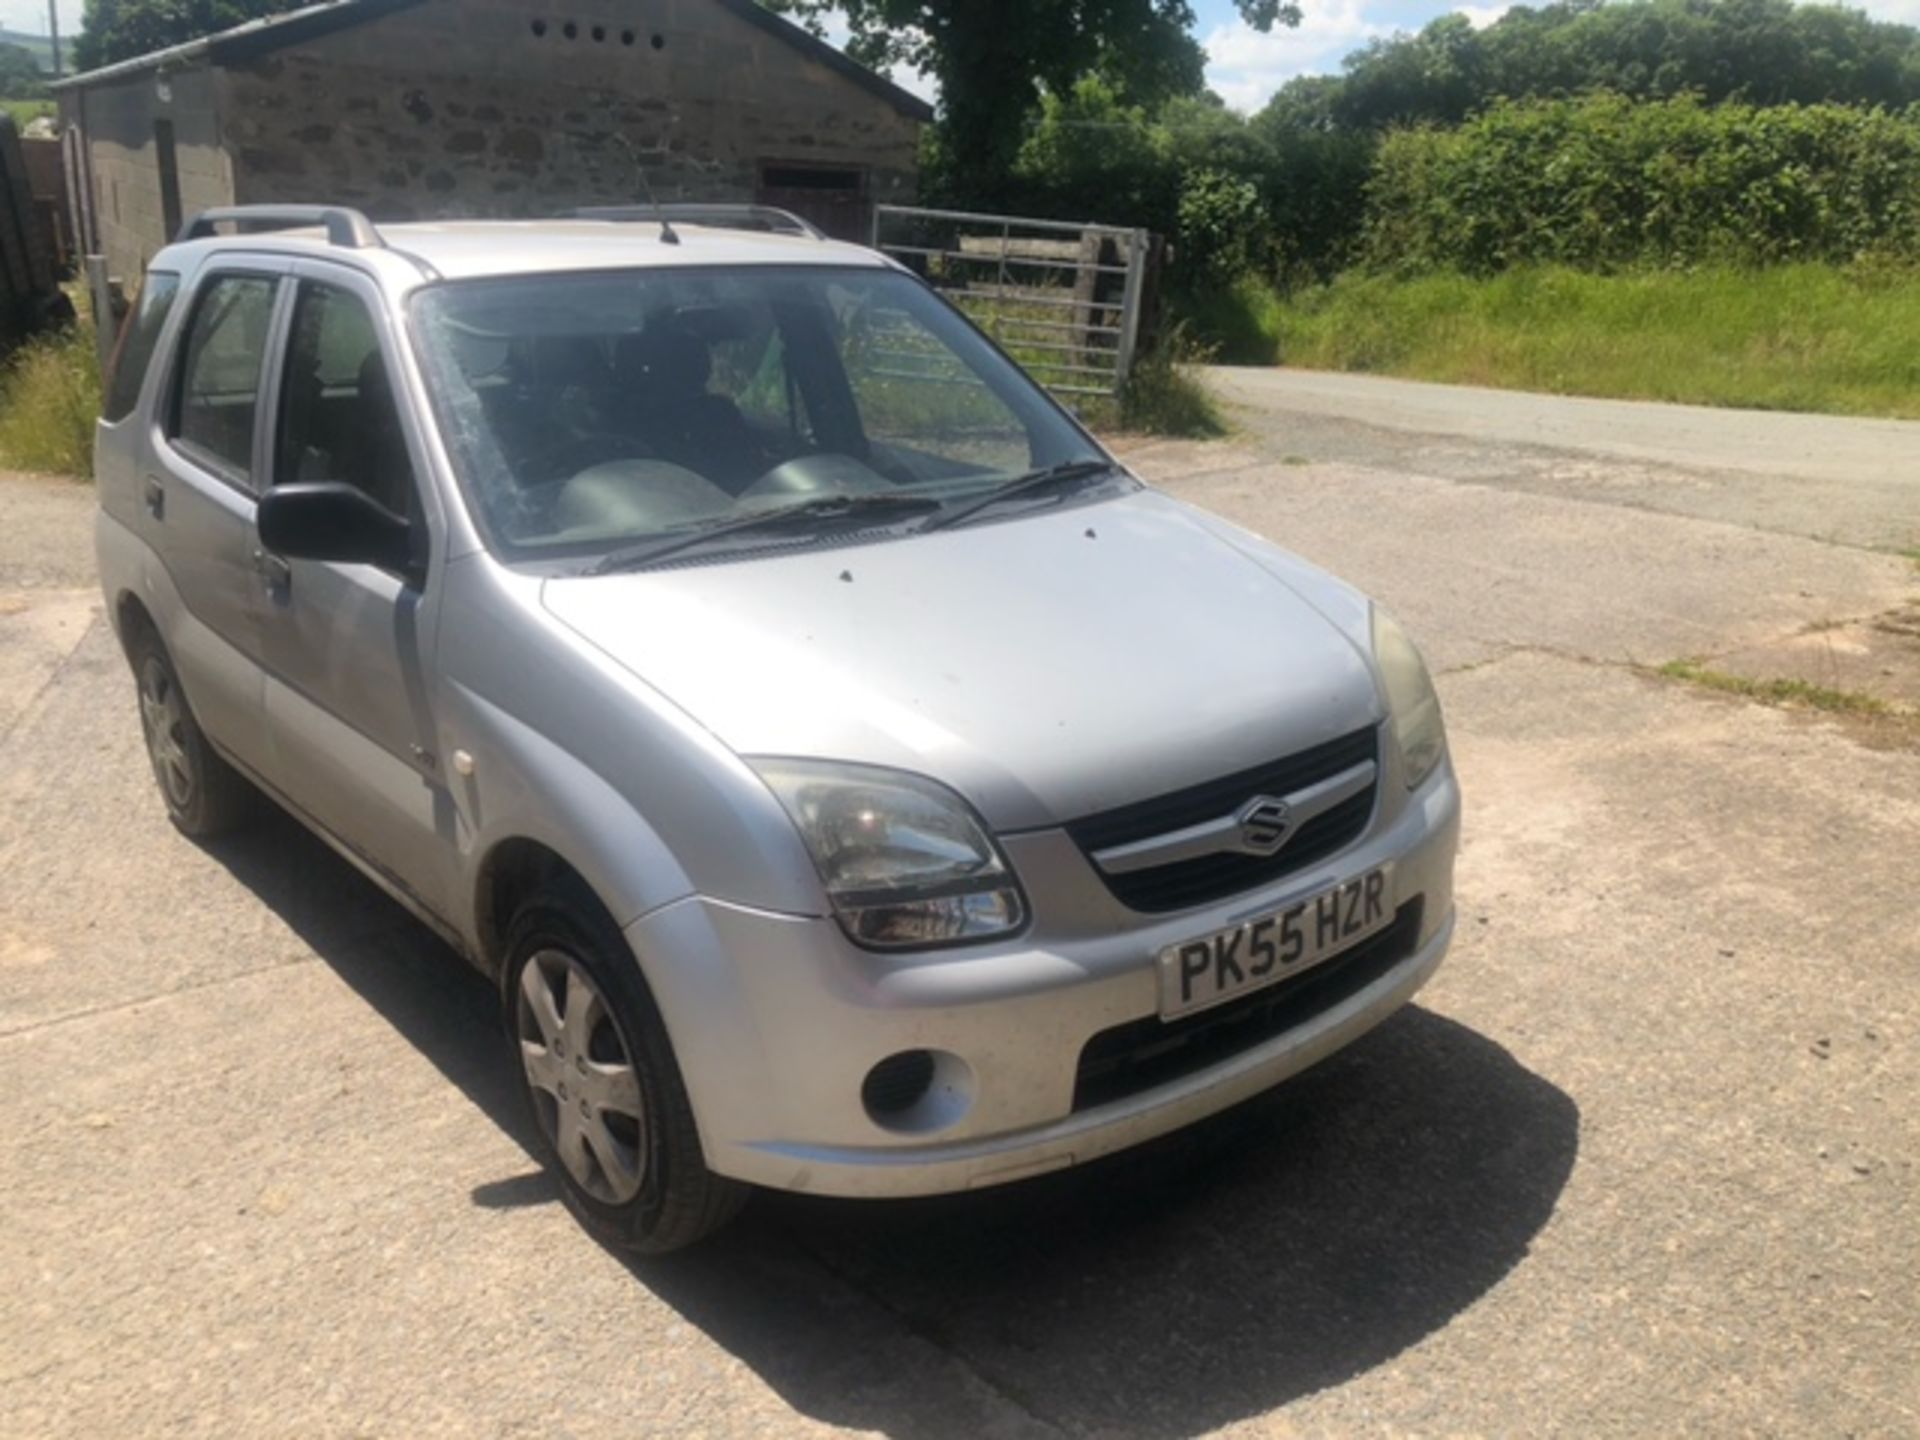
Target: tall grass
1165 394
49 400
1241 322
24 111
1792 337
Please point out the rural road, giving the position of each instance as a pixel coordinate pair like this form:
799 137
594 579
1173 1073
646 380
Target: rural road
1641 1160
1856 481
1823 448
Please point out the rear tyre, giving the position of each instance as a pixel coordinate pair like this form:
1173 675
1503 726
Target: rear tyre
599 1076
206 797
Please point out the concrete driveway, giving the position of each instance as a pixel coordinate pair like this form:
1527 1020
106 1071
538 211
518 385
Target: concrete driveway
1642 1159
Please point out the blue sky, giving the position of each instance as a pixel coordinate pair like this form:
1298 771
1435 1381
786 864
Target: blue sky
1246 67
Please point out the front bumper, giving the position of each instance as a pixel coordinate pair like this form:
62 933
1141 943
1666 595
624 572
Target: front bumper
777 1020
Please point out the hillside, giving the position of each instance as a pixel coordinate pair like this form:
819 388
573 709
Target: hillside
38 45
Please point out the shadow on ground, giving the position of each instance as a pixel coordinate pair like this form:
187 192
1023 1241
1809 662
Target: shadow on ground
1210 1277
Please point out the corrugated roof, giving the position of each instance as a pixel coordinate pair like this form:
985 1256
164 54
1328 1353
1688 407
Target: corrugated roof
262 37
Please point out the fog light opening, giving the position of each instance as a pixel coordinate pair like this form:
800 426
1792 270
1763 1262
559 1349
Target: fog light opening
917 1091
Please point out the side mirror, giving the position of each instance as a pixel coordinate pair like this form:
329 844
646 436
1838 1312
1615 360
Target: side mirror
331 520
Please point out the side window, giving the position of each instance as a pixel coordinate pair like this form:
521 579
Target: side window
750 368
137 341
220 373
338 418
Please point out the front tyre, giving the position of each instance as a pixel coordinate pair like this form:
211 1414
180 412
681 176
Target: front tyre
600 1078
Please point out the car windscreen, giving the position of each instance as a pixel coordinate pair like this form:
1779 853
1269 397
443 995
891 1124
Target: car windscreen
587 413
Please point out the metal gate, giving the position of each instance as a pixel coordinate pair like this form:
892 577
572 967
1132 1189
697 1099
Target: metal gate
1064 300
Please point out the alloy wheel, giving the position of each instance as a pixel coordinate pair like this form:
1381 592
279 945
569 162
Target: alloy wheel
163 720
586 1091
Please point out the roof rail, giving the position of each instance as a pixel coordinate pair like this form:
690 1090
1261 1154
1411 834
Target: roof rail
348 229
720 216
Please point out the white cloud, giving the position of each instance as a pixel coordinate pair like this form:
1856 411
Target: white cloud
1481 16
1245 67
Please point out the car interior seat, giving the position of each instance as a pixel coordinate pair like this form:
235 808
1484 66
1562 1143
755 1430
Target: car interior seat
662 376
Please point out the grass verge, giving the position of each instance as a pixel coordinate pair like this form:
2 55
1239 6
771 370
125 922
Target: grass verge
1806 337
1790 694
49 400
1165 396
24 111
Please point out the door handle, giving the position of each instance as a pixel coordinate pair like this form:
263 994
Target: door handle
272 569
154 495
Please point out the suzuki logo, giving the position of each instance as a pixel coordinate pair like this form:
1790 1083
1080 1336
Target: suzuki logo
1266 824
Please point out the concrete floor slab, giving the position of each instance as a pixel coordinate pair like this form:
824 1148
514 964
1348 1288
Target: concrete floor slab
1642 1159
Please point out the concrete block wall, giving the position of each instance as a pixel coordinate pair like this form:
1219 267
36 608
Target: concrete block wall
509 108
118 120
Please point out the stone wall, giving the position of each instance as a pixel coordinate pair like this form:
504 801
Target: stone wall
511 108
119 121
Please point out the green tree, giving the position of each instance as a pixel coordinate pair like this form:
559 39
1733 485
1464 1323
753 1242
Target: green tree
1323 133
1758 52
994 60
1092 155
20 77
1223 230
113 30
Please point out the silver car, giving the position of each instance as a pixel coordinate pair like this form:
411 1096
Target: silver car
856 780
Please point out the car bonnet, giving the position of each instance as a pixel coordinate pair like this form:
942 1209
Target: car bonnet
1047 667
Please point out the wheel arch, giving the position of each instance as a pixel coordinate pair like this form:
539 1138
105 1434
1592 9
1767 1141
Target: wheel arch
515 868
131 618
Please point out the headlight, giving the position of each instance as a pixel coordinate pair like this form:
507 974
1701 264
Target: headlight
906 862
1410 698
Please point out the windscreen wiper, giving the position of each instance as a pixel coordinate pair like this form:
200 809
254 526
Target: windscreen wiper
1071 472
819 511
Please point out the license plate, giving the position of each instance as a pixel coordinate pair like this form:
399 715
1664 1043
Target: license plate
1215 968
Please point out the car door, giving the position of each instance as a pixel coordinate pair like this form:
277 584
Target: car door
348 648
197 494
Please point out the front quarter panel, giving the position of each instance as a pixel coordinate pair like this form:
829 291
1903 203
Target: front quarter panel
570 750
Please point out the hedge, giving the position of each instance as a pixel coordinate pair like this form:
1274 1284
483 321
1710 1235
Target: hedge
1603 182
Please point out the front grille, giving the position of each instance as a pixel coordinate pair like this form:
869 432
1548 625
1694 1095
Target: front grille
1142 1054
1206 878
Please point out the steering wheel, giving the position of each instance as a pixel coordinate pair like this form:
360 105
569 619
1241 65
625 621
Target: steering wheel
575 453
822 474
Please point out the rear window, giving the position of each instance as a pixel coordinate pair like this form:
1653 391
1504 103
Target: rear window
137 341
